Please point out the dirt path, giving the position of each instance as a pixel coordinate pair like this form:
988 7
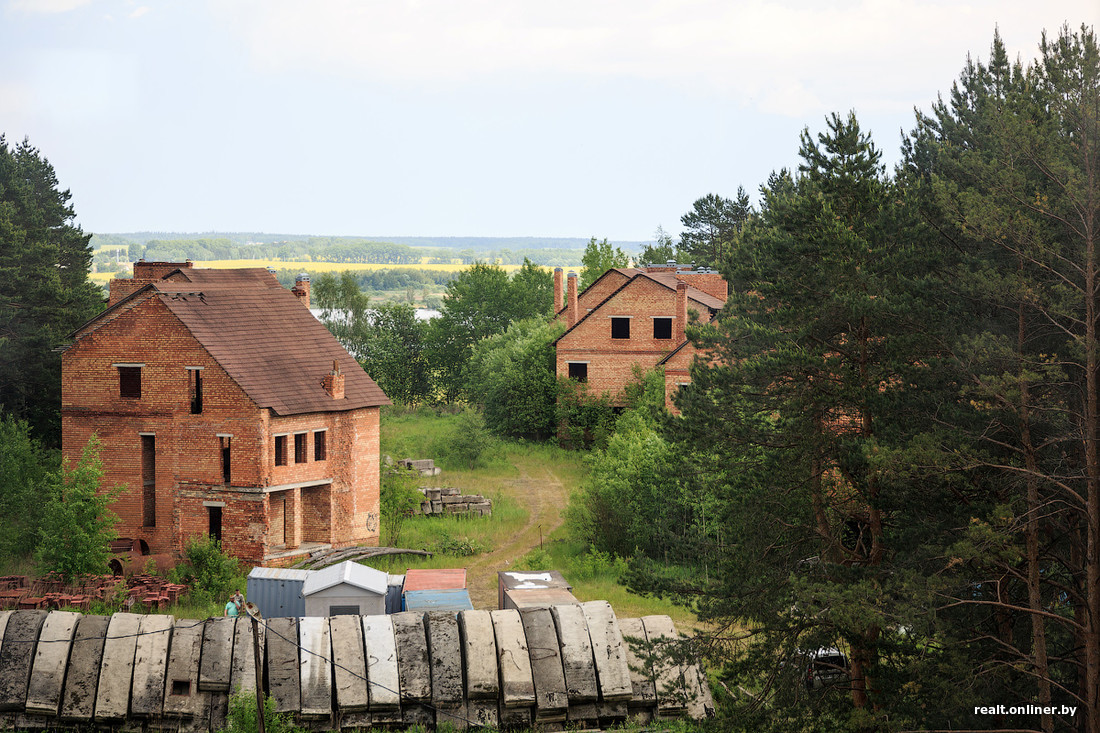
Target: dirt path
544 497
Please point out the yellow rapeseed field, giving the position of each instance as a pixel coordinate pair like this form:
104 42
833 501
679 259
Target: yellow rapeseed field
300 265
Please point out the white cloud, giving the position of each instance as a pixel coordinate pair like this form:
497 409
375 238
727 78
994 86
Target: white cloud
851 53
139 11
46 6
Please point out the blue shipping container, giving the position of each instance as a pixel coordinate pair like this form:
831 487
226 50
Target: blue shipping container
277 591
451 599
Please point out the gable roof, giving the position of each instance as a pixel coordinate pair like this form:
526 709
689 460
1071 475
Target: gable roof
704 299
349 573
262 336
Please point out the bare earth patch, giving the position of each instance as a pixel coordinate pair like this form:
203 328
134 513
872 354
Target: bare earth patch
544 497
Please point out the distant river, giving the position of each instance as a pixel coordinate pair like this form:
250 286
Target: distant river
422 314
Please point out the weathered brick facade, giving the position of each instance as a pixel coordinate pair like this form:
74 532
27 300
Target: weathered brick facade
259 364
634 317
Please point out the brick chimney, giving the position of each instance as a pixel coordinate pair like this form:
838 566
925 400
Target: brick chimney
301 288
558 304
334 380
572 287
681 308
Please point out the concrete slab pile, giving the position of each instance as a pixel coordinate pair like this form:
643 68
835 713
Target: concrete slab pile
550 667
449 500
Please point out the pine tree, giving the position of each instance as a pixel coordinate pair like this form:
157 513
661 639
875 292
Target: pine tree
44 263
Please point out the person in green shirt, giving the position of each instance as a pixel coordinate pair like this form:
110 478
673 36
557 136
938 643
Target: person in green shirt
233 605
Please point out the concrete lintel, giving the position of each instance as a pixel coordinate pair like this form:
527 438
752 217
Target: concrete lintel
296 485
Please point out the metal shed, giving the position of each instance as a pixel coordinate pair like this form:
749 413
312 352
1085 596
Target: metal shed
393 593
345 588
450 599
533 580
277 591
435 578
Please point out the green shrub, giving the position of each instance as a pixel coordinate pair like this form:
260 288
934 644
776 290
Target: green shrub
467 444
398 498
77 524
212 575
447 544
242 717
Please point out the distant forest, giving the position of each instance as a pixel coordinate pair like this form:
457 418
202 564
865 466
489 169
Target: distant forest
546 251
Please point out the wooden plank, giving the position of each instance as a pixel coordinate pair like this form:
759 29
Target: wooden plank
112 702
216 663
551 697
643 690
479 653
242 677
612 671
349 666
150 665
50 658
82 674
380 648
516 684
445 655
283 684
316 667
412 657
668 676
576 653
182 698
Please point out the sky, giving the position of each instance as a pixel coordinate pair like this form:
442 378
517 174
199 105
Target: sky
465 117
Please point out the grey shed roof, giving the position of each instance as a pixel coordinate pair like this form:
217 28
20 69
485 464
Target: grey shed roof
349 572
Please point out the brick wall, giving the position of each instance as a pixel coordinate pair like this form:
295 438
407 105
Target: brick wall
611 360
188 457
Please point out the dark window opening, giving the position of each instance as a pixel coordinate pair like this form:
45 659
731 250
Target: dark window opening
149 481
225 441
129 382
319 450
662 328
578 371
620 328
280 450
343 610
194 377
181 687
300 448
215 513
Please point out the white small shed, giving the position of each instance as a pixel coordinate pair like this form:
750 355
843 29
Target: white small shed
346 589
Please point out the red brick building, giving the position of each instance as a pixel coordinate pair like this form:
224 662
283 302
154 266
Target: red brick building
633 316
225 408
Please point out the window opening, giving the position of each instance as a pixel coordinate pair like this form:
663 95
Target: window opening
300 447
226 463
129 382
343 610
215 515
148 481
620 328
662 328
194 378
578 371
319 447
280 450
181 687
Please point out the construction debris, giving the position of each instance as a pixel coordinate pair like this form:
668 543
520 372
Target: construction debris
450 501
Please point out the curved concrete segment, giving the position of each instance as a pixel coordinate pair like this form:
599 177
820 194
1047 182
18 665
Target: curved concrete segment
550 667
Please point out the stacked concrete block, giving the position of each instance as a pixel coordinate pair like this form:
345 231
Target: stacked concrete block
423 467
553 667
450 501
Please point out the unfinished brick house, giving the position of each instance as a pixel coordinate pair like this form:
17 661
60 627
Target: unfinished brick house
633 316
224 407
